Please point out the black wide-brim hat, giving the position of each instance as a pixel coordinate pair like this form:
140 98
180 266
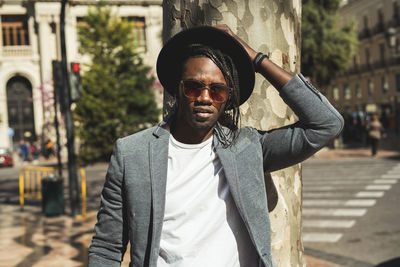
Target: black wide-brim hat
169 62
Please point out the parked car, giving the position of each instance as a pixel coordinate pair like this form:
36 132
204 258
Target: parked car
6 159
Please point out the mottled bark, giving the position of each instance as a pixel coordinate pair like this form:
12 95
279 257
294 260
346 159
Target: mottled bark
271 27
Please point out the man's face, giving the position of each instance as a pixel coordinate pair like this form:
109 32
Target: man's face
202 112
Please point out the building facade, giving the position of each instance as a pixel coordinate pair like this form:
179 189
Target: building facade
30 41
371 84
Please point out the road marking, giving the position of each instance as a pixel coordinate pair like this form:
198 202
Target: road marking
321 237
370 194
360 203
318 188
391 176
326 194
336 178
335 212
307 183
334 188
385 181
329 223
336 202
378 187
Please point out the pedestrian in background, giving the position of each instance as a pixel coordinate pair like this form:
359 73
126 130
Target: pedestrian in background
48 149
34 152
191 191
23 151
375 133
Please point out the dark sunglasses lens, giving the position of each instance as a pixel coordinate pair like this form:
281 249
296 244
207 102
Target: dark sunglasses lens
219 93
192 88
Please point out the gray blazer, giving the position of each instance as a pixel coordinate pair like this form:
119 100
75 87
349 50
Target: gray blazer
133 198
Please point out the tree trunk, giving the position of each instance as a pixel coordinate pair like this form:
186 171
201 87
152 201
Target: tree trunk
271 27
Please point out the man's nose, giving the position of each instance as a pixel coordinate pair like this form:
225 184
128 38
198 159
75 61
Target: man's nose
205 95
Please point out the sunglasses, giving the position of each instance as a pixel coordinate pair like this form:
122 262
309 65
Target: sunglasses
192 89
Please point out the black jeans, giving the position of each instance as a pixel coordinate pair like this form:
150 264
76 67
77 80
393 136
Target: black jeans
374 145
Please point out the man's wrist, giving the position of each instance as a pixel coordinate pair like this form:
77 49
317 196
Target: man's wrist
257 61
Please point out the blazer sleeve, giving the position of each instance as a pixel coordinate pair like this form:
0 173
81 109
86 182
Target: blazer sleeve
110 239
319 122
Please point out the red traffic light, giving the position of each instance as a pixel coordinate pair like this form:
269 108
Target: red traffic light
75 67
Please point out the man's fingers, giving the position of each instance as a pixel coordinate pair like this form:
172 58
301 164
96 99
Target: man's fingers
224 28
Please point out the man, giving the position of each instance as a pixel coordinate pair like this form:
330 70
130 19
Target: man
190 192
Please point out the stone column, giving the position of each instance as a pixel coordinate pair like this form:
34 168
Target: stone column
44 33
271 27
153 21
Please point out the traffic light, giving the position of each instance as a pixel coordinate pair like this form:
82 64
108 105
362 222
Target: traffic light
75 79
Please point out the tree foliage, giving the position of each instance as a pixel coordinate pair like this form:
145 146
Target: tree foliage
117 99
328 45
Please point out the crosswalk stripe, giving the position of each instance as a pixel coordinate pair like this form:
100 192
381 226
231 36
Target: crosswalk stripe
360 203
378 187
385 181
335 182
339 178
335 212
361 194
321 237
394 172
326 194
319 188
316 188
329 223
336 202
391 176
370 194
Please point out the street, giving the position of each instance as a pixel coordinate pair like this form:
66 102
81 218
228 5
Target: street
350 216
350 210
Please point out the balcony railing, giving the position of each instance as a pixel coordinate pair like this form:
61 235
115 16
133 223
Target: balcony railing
379 28
16 51
359 69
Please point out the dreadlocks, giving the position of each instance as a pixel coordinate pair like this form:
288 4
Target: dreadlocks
230 118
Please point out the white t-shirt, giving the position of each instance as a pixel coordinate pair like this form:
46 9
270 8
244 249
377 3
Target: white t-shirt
202 226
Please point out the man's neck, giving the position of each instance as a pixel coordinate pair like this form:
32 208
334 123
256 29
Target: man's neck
188 135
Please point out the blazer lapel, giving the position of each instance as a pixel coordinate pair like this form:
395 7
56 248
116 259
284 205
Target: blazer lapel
158 154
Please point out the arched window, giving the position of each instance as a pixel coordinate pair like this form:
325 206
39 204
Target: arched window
20 108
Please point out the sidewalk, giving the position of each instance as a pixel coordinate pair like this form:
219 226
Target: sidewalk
361 152
388 148
314 262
